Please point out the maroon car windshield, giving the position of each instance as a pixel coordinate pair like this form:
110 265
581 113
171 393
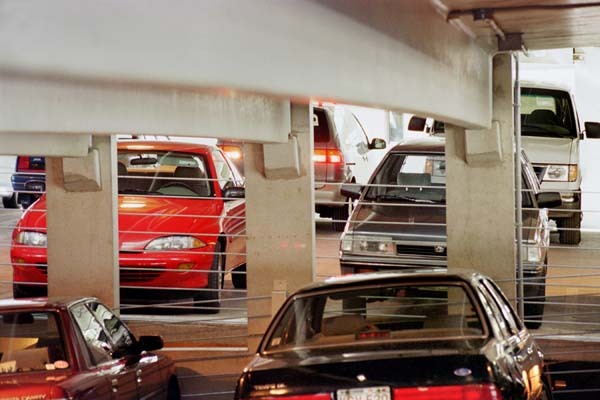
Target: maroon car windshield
373 315
163 173
30 341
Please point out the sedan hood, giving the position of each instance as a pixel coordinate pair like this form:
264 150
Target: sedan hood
403 221
415 365
550 150
143 218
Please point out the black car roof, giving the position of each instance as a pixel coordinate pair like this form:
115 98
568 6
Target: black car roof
391 277
421 145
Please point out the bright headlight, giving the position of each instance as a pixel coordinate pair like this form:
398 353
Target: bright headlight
369 245
561 173
175 243
31 238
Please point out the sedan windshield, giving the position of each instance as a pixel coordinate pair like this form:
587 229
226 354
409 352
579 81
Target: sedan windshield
30 341
417 178
373 315
163 173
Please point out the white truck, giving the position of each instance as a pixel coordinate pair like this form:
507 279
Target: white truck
551 136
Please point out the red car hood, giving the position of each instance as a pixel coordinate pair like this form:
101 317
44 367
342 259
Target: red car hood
143 218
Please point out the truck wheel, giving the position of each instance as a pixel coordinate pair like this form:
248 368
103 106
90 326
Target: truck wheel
238 277
571 233
10 202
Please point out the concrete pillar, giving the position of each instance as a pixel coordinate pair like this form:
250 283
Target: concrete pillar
82 224
480 189
279 225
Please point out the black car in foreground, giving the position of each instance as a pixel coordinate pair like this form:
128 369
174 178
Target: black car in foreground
397 335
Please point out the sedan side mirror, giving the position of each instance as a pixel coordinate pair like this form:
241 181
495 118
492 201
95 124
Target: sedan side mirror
549 199
351 190
377 144
592 130
234 192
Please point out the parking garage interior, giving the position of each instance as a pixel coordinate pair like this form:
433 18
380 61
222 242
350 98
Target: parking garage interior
74 77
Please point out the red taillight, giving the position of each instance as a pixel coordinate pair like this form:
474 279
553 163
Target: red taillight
328 156
25 164
455 392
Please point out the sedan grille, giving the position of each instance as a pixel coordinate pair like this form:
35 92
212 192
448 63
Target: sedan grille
139 274
420 250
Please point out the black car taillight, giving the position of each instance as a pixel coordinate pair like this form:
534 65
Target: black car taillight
453 392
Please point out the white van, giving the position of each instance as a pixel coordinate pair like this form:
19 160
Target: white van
551 135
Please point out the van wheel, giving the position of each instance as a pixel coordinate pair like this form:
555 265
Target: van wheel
340 215
572 234
238 277
210 300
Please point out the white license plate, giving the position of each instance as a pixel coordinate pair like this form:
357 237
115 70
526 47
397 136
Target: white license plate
367 393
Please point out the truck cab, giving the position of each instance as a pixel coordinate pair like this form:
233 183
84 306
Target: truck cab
551 135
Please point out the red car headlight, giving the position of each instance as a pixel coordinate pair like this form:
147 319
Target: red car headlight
174 243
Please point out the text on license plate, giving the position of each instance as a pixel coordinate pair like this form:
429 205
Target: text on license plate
367 393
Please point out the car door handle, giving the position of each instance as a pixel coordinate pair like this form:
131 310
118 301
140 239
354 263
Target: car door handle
115 385
138 374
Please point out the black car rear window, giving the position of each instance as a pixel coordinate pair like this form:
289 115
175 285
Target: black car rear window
321 127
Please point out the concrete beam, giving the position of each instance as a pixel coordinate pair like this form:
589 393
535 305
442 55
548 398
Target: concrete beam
71 106
480 202
49 144
400 55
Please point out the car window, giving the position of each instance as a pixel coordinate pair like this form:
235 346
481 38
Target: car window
417 178
546 112
320 126
503 327
120 336
155 173
225 175
508 313
98 343
375 315
353 136
31 341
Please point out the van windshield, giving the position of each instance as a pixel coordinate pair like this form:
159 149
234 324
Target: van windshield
547 112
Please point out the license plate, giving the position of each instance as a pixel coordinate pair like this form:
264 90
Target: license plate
367 393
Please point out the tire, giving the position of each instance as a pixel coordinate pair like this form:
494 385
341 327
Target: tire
340 215
173 391
210 300
238 277
10 202
572 234
534 313
23 291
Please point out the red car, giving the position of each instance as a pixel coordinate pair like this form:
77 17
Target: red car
181 208
78 349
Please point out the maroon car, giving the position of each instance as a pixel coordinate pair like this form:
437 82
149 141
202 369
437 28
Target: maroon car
77 349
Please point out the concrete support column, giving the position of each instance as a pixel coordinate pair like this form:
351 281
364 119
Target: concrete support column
82 224
279 225
480 189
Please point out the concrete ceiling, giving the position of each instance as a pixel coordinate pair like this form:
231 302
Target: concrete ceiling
543 24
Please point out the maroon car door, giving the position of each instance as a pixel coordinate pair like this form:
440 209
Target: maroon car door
120 372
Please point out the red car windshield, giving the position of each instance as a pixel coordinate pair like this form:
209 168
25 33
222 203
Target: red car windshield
30 341
163 173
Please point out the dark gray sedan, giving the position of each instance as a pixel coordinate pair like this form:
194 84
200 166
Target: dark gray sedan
400 219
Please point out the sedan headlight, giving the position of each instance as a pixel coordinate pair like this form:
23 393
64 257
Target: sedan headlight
368 245
32 238
561 173
175 243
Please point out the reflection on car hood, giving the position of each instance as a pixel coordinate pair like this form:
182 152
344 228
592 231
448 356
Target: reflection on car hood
412 222
403 221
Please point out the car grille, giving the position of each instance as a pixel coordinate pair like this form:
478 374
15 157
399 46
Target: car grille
138 274
125 275
419 250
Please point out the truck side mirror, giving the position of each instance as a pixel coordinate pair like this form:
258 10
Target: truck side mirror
592 130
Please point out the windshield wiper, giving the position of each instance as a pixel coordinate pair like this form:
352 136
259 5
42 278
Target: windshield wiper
138 191
388 197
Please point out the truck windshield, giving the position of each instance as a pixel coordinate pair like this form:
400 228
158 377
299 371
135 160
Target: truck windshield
547 112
